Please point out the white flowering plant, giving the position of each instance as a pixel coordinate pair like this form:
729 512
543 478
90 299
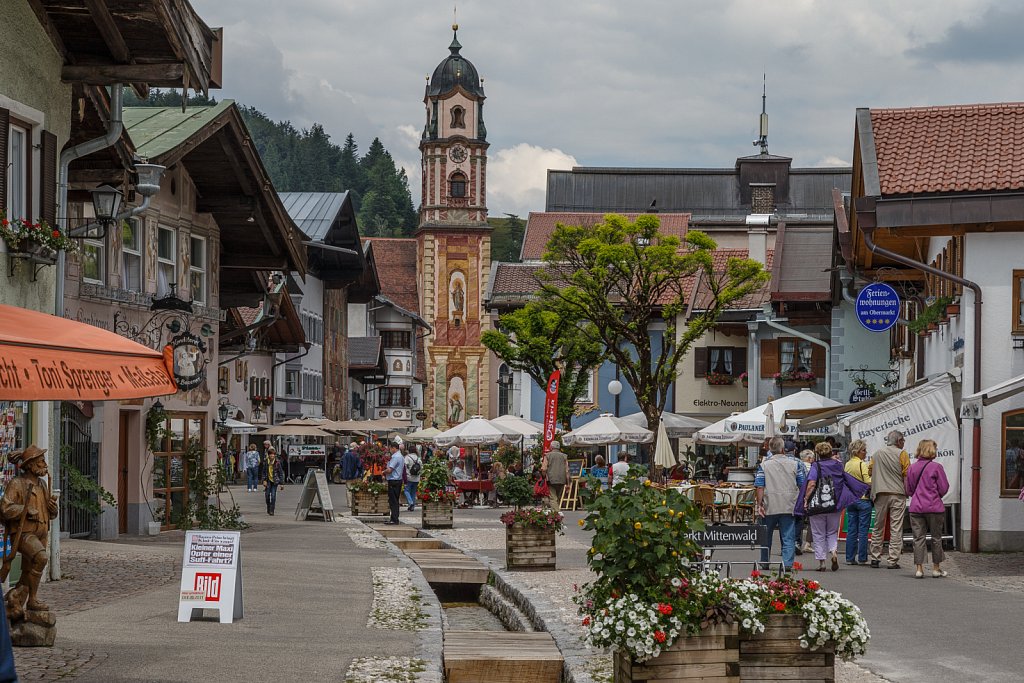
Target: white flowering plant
698 601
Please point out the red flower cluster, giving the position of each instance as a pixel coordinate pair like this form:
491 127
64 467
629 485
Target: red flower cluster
754 574
659 636
813 585
779 606
665 609
586 621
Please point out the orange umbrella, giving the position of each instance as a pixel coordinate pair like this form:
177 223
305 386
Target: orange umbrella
46 358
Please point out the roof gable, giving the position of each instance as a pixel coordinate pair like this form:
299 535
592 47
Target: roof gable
395 260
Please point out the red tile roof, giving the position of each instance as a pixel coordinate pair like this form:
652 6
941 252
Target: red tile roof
756 299
396 269
515 278
541 225
962 148
248 315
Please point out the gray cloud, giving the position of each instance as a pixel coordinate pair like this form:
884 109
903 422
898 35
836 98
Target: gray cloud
645 83
992 37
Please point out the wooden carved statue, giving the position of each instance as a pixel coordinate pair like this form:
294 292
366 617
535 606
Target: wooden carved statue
27 508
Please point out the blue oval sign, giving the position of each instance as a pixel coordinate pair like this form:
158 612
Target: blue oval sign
878 307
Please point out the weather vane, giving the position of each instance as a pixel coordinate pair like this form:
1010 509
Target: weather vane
455 16
763 139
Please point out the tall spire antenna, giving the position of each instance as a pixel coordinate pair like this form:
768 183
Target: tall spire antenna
763 139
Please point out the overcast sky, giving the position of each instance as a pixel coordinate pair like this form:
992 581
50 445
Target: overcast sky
654 83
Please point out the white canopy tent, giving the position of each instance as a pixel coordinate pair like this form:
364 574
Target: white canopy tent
676 426
752 427
423 435
476 431
239 427
607 430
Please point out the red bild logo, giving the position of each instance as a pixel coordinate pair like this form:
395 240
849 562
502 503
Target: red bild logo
209 584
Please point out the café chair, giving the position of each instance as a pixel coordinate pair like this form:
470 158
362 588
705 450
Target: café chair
744 510
704 499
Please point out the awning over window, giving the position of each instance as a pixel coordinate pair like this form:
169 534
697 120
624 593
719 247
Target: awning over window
971 407
46 358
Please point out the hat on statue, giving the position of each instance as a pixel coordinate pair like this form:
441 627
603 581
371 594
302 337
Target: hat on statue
25 455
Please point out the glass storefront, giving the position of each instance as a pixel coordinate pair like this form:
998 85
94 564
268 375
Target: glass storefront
171 467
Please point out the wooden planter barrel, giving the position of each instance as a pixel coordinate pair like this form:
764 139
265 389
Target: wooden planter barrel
712 655
438 515
366 503
528 548
776 654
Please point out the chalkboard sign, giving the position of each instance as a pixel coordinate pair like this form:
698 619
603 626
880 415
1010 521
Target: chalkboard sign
576 467
315 487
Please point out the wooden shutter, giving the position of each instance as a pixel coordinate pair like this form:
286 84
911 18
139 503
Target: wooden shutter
5 123
700 362
818 361
769 357
48 179
739 360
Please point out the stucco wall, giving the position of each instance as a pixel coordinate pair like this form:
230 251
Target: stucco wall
855 347
30 87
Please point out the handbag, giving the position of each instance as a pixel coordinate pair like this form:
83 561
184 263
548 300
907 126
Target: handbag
540 488
823 497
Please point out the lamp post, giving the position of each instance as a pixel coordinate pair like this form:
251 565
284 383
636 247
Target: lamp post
615 388
106 202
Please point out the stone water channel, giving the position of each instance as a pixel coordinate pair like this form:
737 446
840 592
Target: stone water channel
475 613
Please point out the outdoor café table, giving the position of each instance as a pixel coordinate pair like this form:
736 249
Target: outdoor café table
472 487
686 489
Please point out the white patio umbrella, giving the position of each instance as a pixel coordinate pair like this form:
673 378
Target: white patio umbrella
476 431
303 421
521 425
297 430
676 426
607 430
751 427
423 435
663 449
239 427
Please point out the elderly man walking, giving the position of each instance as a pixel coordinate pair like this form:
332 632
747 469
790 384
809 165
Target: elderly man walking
555 466
888 471
778 481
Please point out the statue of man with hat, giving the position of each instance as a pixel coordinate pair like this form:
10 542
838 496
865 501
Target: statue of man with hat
26 509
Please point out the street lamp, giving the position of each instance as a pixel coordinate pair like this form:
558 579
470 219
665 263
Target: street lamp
106 202
222 414
615 387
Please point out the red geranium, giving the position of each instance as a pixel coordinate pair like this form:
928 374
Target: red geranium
797 566
813 585
779 606
586 621
754 574
659 636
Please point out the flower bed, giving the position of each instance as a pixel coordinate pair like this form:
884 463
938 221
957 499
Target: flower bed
370 498
718 379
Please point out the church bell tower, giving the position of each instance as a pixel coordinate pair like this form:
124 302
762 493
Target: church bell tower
454 240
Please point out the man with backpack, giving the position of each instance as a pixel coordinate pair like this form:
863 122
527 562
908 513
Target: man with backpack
413 467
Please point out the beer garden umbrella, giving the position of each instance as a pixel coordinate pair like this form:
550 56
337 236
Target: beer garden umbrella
676 426
663 449
607 430
476 431
423 435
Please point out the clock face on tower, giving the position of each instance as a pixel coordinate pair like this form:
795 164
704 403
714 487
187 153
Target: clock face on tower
458 154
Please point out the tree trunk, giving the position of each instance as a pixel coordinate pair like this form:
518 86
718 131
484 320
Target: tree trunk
653 420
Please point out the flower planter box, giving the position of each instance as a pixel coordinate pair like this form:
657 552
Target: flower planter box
437 515
796 383
366 503
530 549
713 655
776 654
952 309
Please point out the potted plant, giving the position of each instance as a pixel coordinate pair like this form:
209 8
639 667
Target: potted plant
788 378
370 497
36 239
436 494
529 531
656 606
744 378
719 379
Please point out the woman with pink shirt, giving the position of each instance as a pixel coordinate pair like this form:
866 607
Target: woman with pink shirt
926 485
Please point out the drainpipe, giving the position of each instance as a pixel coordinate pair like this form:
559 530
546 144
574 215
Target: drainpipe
976 435
114 128
814 340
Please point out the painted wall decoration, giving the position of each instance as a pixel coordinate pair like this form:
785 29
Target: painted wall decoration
189 360
457 296
456 400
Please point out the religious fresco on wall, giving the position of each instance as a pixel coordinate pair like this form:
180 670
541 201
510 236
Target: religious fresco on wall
456 400
457 297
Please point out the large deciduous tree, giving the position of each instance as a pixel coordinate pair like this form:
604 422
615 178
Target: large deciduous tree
538 340
626 278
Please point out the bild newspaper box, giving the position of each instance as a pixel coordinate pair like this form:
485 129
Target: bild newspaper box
211 575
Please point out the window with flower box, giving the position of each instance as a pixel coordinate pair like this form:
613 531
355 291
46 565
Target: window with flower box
722 361
791 356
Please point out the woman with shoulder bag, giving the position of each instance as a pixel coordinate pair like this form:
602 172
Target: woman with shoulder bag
926 484
829 491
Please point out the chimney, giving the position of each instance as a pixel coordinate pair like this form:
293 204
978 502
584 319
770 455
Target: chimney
757 236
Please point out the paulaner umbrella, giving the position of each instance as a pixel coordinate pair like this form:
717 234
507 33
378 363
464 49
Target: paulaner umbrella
46 358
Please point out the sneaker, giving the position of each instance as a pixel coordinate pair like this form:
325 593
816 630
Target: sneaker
919 574
852 563
892 566
411 508
808 548
835 562
875 564
941 574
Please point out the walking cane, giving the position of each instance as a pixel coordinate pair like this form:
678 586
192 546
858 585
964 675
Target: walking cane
9 557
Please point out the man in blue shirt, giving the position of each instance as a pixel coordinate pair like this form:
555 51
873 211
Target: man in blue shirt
778 481
351 470
394 473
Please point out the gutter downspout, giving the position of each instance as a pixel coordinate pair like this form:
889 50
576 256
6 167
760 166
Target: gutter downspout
976 435
115 126
814 340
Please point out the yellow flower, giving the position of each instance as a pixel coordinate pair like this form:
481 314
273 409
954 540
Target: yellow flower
638 526
671 512
655 515
582 522
675 554
662 502
592 551
647 482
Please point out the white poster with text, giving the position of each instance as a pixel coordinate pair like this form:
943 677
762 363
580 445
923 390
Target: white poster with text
211 575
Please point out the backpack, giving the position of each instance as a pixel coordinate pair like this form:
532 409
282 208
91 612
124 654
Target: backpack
415 467
823 498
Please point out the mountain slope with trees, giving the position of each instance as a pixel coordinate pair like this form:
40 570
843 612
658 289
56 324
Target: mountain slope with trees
307 160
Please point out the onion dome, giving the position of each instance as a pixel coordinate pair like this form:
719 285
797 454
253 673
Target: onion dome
455 71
